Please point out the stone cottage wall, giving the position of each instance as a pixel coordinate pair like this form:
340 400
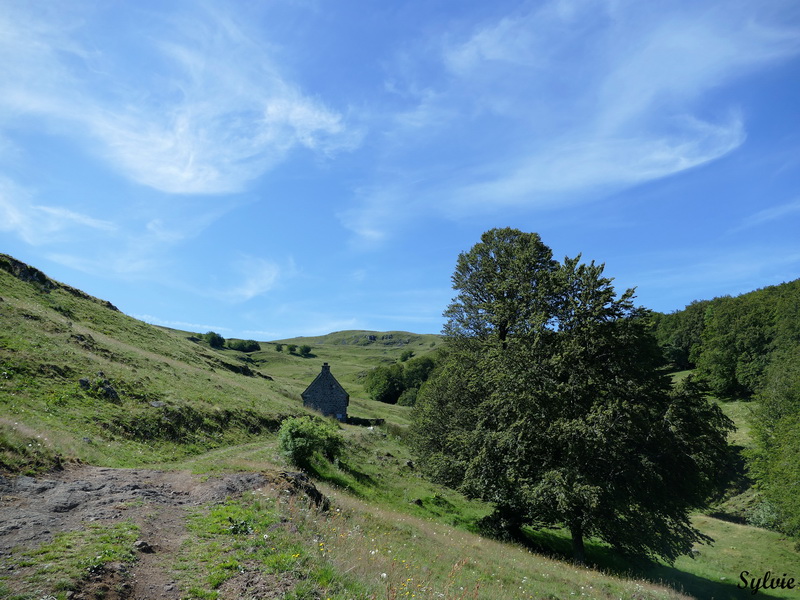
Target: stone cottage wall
327 396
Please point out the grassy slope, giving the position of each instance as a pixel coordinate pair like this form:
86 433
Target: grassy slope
208 417
350 354
49 340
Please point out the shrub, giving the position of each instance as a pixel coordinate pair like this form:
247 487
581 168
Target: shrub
244 345
398 383
305 350
385 383
764 515
300 438
278 347
214 339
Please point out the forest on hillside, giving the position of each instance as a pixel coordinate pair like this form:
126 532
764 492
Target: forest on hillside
749 347
734 343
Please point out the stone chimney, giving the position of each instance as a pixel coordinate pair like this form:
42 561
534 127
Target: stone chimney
325 367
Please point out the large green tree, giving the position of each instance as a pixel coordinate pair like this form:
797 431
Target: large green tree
550 403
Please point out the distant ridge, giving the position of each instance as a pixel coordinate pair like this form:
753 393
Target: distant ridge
358 337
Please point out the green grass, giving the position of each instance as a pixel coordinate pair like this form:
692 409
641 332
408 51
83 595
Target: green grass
739 411
176 397
70 560
25 451
359 551
712 571
257 535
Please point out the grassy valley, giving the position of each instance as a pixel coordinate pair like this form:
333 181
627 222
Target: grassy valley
80 382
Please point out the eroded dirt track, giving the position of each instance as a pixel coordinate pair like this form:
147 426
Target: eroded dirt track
33 510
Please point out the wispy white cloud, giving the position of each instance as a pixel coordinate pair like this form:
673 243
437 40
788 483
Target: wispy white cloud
261 334
571 100
183 325
120 263
259 276
769 215
359 275
320 325
698 274
38 224
143 249
376 207
560 173
66 216
212 114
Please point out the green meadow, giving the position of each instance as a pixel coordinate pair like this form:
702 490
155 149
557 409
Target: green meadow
178 404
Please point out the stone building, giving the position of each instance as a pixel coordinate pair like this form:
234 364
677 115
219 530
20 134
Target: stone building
326 395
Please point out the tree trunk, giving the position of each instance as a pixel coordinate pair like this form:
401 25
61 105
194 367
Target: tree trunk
578 550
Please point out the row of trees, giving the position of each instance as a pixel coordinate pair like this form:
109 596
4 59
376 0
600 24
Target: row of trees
215 340
549 402
304 350
399 383
731 341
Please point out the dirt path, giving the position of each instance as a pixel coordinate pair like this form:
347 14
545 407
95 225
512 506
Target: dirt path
33 510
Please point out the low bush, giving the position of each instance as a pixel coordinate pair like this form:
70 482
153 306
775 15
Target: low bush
243 345
300 438
214 339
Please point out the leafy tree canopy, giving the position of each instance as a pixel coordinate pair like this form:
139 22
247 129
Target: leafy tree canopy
244 345
214 339
400 382
731 341
550 403
385 383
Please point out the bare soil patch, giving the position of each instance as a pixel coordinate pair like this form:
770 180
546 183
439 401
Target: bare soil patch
33 510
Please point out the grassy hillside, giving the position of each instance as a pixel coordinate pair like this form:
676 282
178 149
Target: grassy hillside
350 354
158 397
151 393
146 393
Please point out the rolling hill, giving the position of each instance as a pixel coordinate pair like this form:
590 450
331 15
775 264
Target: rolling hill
84 386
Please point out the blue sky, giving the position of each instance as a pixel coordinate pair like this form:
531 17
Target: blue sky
280 168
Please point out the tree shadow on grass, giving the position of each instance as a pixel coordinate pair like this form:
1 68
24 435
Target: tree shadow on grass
342 475
557 545
359 476
700 587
